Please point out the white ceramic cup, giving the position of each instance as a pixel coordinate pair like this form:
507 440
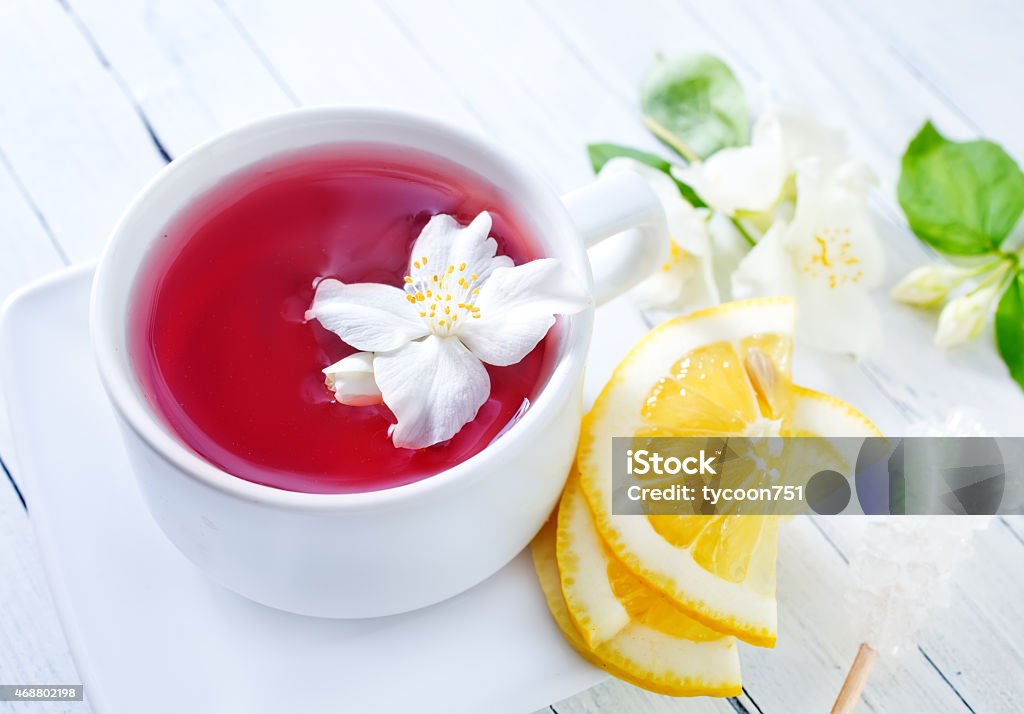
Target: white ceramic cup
390 551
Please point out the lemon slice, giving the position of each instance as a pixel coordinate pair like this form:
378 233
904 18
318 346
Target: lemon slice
723 371
603 596
645 640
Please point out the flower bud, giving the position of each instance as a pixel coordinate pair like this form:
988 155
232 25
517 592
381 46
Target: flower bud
964 318
929 285
351 380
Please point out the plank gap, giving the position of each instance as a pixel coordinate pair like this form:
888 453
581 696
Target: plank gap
34 207
740 708
105 62
427 58
829 540
737 706
945 679
630 104
250 41
911 66
1013 531
14 484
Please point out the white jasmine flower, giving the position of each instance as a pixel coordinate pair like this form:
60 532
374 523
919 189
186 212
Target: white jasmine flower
728 248
751 178
964 318
929 285
462 306
828 256
685 281
798 135
743 178
351 380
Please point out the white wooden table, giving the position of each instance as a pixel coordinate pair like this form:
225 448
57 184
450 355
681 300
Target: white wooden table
96 95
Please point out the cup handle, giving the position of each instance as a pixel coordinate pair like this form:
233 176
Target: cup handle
623 227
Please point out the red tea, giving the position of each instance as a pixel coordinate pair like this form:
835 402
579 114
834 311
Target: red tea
219 337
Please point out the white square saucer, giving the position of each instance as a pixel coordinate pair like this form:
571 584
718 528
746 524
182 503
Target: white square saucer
150 633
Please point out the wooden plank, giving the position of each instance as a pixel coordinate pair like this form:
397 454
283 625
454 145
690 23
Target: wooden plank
28 252
184 64
73 151
347 52
615 696
975 641
27 249
76 144
978 642
834 64
32 645
986 82
529 101
532 90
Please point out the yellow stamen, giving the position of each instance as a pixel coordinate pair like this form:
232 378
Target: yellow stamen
823 258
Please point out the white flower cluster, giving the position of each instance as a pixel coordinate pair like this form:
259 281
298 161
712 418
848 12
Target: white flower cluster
962 318
786 215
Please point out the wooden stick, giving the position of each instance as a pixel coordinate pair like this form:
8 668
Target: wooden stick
857 677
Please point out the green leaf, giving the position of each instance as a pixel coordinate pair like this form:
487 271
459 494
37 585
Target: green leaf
1010 327
695 105
601 154
960 198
